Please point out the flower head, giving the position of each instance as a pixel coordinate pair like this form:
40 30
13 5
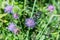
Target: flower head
15 16
16 31
11 27
30 22
50 8
8 9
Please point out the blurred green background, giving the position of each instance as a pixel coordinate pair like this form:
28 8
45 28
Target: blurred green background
48 23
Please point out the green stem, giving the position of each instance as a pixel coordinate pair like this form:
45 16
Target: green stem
33 8
12 2
25 4
27 38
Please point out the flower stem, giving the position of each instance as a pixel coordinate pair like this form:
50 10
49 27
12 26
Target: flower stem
33 8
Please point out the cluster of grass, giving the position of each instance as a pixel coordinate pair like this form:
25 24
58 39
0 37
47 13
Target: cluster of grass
47 25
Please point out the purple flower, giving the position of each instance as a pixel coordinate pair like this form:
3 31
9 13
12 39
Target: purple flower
16 31
8 9
30 22
15 16
11 27
50 8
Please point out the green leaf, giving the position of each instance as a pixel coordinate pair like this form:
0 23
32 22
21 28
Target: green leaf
2 15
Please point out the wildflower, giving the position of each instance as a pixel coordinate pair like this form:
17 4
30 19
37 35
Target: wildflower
16 31
11 26
50 8
8 9
15 16
30 22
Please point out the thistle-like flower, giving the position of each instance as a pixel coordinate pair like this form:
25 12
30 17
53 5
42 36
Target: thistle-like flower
30 22
16 31
8 9
50 8
15 16
12 28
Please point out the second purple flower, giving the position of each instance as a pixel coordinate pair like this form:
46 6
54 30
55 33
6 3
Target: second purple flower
50 8
12 28
15 16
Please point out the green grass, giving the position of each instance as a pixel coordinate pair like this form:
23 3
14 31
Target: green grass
48 25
